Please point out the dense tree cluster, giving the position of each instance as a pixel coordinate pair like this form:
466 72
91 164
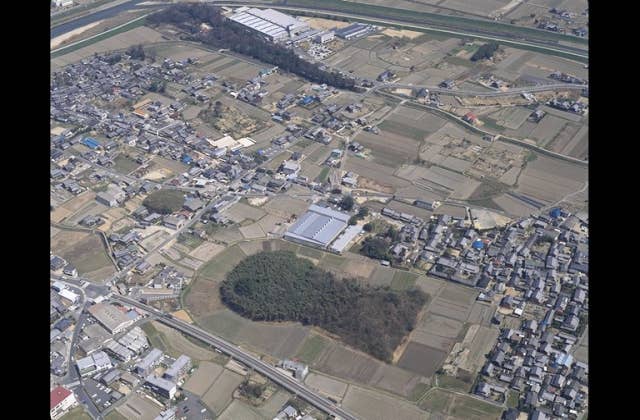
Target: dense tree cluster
252 390
377 248
485 51
164 201
136 52
278 286
346 203
228 34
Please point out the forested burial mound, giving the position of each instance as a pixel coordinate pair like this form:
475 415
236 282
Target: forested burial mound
278 286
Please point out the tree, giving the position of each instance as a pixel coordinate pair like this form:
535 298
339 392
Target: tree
368 227
217 110
252 390
164 201
346 203
278 286
485 51
376 248
228 34
136 52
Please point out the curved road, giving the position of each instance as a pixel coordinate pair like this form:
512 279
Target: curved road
258 365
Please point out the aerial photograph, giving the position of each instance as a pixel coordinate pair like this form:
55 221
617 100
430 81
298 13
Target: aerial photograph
319 209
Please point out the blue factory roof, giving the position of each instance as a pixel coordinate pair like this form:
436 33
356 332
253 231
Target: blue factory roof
89 142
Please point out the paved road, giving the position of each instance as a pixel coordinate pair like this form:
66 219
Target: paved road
486 94
258 365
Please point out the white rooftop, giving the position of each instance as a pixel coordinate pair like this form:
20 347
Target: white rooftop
318 226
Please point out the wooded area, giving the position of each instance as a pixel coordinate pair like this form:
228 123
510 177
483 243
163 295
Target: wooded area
278 286
228 34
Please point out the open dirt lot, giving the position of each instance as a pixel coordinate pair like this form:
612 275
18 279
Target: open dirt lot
380 174
286 206
90 258
222 263
319 23
274 404
481 313
548 179
65 239
326 385
278 339
454 302
183 345
220 393
371 405
422 359
252 231
203 377
238 410
459 406
389 148
481 343
513 206
203 297
340 361
207 250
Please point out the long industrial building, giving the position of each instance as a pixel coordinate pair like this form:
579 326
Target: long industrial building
273 25
318 227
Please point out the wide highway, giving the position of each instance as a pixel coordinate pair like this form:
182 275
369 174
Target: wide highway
251 361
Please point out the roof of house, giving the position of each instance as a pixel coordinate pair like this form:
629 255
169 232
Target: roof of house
58 394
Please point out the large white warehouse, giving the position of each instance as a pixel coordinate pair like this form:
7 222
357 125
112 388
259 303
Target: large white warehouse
270 23
318 227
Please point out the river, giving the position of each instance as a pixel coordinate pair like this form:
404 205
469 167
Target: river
102 14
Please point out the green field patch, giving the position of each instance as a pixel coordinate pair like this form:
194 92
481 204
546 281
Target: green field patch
322 176
492 124
156 338
418 391
403 280
436 400
310 252
454 383
312 347
114 415
164 201
472 408
404 130
189 240
458 61
333 261
224 323
222 263
124 164
77 413
87 255
512 399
